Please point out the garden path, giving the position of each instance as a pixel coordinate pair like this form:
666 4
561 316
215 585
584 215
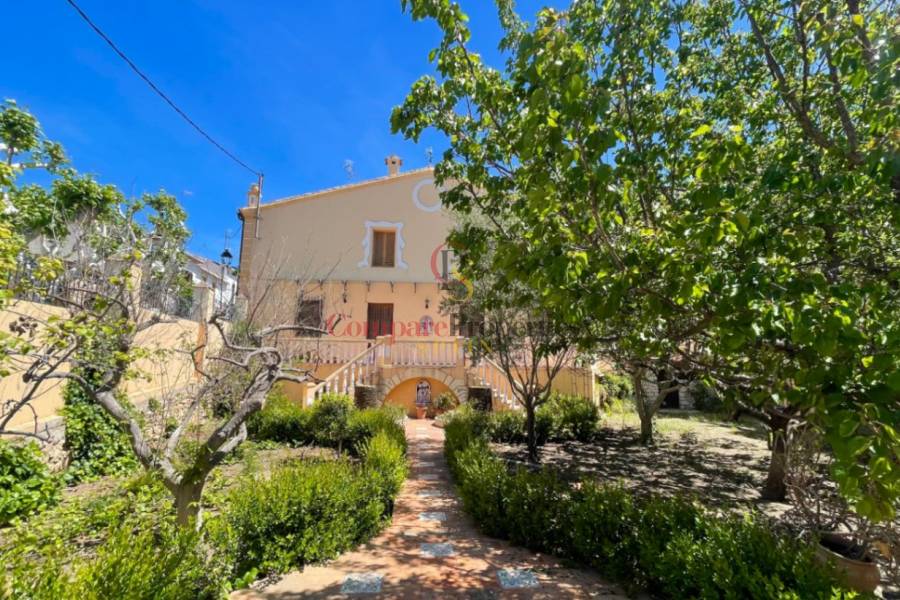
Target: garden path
432 550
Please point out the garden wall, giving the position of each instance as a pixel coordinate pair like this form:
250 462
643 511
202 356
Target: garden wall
161 374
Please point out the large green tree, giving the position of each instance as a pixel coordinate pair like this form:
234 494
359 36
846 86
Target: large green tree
714 183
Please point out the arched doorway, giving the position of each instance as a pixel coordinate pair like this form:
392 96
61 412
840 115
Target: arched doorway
407 391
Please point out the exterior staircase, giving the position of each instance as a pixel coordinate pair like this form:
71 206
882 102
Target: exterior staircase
372 363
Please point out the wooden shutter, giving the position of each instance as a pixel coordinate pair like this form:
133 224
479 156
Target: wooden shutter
383 244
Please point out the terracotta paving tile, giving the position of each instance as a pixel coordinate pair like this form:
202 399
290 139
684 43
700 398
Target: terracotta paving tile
480 567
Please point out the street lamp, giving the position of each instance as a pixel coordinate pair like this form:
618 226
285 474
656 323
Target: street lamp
226 263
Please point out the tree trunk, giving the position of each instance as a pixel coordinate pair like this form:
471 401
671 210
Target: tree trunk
530 433
187 502
774 488
646 426
644 412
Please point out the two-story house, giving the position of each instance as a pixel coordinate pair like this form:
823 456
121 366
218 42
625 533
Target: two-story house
367 262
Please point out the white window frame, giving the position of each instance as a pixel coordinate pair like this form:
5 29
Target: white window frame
399 243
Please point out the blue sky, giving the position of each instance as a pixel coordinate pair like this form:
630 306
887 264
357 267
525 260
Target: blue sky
292 87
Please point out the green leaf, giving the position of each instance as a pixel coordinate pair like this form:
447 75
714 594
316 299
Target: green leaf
702 130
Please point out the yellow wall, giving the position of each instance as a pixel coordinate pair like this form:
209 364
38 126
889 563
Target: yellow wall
345 307
171 372
404 394
322 235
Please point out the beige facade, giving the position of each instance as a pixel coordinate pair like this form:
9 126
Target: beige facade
320 257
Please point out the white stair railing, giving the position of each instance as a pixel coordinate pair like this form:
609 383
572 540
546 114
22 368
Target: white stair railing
361 369
489 374
326 350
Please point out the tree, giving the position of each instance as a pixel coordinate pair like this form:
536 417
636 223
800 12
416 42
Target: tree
99 254
726 166
509 327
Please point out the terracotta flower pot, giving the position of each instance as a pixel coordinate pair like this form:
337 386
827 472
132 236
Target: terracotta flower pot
861 575
420 412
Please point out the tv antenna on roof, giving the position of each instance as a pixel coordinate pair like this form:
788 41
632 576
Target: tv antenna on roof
348 167
429 154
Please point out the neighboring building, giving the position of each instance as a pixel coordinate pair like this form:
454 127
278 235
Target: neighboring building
366 262
217 275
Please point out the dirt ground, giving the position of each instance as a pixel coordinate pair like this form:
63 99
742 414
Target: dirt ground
723 463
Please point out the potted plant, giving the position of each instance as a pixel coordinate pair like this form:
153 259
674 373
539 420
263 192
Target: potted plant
445 403
821 509
852 558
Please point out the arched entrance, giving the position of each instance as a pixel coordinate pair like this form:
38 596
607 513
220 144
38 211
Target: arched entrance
405 393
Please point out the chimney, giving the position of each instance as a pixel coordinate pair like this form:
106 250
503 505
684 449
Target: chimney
253 195
393 163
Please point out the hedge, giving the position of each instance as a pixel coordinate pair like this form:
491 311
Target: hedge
301 513
312 511
333 422
562 418
670 547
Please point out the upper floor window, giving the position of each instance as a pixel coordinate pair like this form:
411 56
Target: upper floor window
383 244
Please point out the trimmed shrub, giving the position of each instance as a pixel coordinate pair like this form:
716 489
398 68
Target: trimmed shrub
385 459
365 424
26 484
330 420
281 420
560 418
333 421
312 511
507 426
668 546
574 417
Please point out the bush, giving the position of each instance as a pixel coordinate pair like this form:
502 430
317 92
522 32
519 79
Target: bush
281 420
446 402
617 387
304 512
137 561
136 550
26 484
705 399
546 425
507 426
96 444
365 424
571 417
330 420
333 421
669 546
313 511
561 418
385 458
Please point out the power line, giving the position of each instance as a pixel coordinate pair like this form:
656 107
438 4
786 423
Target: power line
159 92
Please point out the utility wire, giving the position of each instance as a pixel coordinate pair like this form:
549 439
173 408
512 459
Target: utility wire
161 94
